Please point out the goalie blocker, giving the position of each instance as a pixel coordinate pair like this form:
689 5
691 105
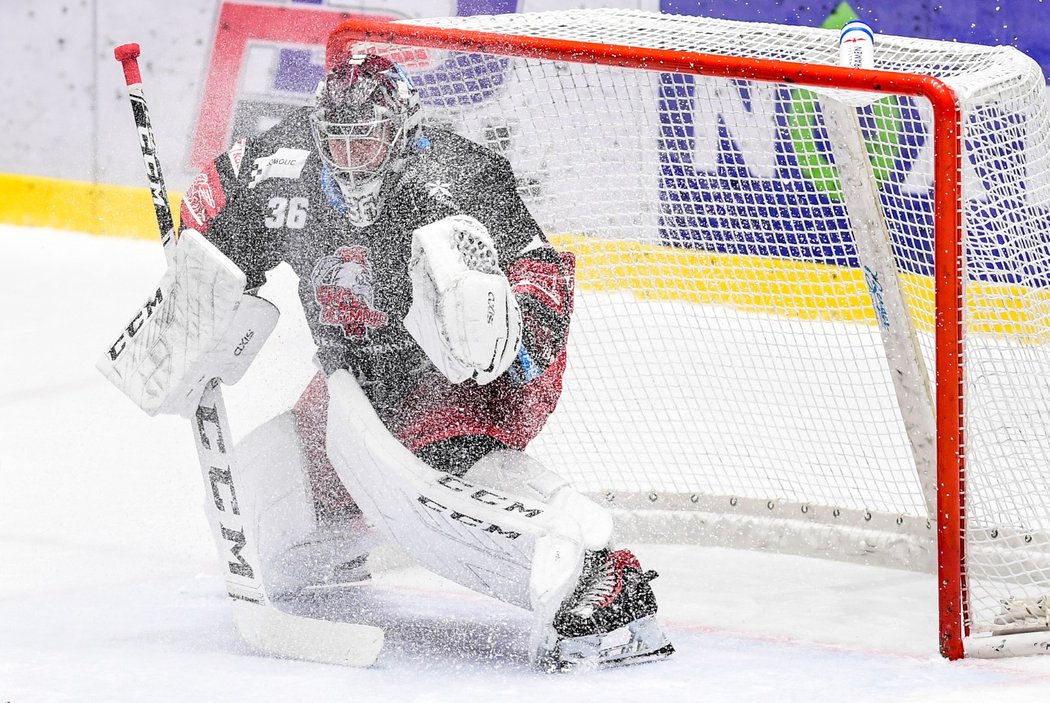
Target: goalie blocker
198 325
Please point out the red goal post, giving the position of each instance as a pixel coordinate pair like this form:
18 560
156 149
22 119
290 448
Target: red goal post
947 136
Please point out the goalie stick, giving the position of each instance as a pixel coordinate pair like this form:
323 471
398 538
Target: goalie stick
258 621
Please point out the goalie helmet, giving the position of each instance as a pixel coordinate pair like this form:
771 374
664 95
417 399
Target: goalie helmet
366 124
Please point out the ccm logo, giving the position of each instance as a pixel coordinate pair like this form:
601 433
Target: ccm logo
467 520
492 307
487 497
135 325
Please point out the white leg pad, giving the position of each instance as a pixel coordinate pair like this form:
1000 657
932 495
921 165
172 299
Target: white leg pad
517 472
518 548
294 550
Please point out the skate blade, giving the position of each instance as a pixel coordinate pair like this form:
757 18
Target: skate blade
636 643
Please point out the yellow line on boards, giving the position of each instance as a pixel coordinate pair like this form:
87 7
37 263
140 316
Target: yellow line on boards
650 271
95 208
789 287
782 287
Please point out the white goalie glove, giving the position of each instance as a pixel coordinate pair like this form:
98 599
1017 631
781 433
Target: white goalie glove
198 325
464 314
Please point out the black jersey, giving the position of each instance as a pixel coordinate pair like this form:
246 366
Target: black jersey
270 200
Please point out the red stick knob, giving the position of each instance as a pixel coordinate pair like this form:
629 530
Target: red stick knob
128 55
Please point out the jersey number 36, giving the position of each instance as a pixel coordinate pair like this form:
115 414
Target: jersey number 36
285 212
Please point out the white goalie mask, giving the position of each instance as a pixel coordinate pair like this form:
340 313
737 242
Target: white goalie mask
366 123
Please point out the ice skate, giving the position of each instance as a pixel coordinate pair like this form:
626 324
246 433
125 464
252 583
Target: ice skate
609 620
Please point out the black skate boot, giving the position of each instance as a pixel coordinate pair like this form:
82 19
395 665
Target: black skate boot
609 620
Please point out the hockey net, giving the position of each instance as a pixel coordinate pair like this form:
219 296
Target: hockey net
780 282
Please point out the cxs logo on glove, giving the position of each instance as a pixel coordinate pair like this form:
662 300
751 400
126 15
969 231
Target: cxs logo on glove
344 289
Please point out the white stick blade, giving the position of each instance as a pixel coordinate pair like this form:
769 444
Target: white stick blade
322 641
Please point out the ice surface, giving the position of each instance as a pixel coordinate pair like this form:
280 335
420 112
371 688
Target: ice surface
110 589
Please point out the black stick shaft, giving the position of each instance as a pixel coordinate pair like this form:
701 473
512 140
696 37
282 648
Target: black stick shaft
128 55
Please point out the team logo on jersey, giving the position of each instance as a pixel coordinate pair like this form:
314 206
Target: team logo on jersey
283 163
343 287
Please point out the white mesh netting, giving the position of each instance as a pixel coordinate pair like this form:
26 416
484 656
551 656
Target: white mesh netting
725 352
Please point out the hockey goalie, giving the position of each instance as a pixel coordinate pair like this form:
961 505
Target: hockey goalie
440 314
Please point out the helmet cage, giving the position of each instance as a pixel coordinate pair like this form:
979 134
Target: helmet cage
358 152
367 111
